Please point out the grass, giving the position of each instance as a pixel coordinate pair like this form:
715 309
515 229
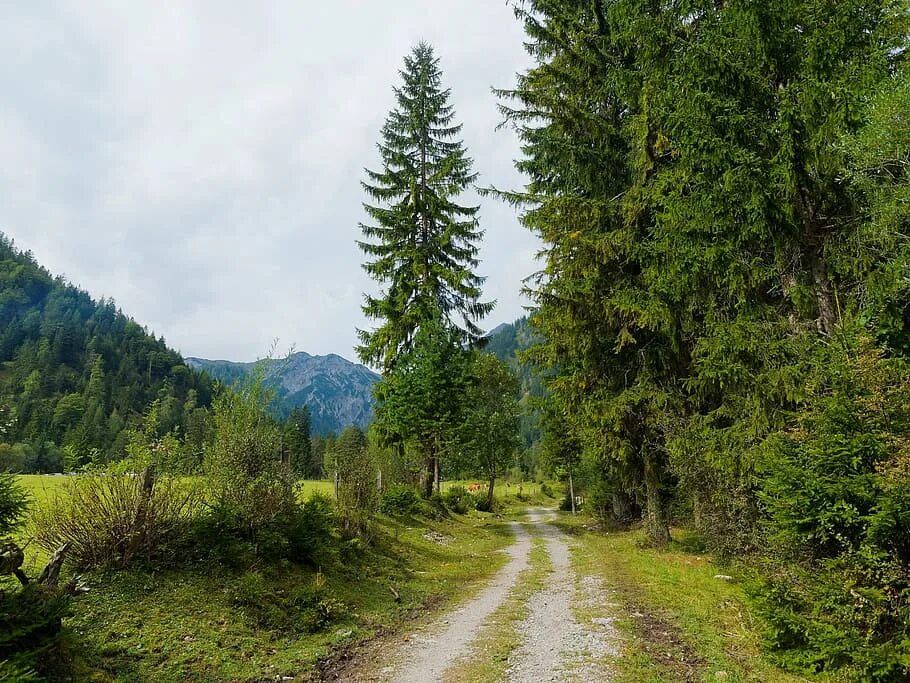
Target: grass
182 624
680 622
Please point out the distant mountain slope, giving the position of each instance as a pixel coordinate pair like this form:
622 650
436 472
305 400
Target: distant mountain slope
76 373
506 341
337 392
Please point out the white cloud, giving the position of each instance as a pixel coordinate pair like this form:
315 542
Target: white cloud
200 162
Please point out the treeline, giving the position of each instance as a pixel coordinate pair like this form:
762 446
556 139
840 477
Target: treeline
80 380
78 374
723 194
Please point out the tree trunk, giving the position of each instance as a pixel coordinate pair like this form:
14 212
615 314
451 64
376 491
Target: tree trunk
824 296
657 522
428 477
571 490
622 508
490 492
436 475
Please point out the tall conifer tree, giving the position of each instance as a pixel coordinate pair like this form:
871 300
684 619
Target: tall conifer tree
422 244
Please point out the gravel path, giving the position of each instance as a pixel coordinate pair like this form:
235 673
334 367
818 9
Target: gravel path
556 647
426 656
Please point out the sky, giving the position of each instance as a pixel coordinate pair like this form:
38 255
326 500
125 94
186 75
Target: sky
200 161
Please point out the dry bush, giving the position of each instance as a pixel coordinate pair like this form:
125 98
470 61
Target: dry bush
111 520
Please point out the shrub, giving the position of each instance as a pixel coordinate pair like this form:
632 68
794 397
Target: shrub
310 531
400 499
13 502
547 490
358 494
484 504
110 520
251 486
458 500
29 624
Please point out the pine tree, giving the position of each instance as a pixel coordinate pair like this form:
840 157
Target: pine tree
422 244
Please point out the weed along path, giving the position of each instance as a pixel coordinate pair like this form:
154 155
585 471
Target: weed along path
562 633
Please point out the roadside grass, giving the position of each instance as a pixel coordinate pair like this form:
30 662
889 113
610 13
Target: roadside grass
679 622
516 496
181 624
489 659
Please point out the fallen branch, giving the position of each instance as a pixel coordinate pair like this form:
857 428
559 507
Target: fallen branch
395 593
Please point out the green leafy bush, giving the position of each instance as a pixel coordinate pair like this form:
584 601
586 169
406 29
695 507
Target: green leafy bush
547 490
833 591
400 499
458 499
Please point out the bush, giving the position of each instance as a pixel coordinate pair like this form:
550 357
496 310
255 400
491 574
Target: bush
483 504
458 500
304 609
400 499
547 490
251 486
358 494
13 502
310 531
29 624
111 520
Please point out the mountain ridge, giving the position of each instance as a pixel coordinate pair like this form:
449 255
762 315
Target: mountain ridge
337 391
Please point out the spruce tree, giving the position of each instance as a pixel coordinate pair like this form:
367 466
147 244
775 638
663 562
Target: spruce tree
422 244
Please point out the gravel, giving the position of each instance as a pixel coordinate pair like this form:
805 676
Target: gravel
426 656
555 646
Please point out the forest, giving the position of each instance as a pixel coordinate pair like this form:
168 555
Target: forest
712 385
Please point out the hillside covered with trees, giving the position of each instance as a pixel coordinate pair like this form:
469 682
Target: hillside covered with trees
77 374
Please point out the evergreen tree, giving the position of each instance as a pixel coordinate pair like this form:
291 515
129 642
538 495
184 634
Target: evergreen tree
420 404
422 244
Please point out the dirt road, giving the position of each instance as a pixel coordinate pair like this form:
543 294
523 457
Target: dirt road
555 644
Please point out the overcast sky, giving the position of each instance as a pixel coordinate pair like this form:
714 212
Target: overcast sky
200 161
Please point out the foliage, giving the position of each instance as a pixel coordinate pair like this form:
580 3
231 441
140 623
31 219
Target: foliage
113 520
13 503
458 499
77 370
358 492
400 499
251 485
29 624
297 444
423 243
836 493
420 403
720 189
488 431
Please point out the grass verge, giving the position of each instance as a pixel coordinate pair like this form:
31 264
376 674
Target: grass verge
680 622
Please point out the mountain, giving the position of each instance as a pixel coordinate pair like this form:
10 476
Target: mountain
337 392
76 374
506 341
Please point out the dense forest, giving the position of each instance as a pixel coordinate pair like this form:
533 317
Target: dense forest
78 374
722 191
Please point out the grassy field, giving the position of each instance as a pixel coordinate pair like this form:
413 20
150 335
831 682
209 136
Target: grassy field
680 622
206 623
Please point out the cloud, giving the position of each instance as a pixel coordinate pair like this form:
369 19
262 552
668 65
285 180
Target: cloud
201 162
